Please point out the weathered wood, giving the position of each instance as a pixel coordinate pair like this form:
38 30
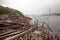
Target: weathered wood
10 34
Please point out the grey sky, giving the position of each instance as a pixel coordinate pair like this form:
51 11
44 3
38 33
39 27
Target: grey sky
36 7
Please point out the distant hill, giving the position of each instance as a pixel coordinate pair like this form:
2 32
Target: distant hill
6 10
53 14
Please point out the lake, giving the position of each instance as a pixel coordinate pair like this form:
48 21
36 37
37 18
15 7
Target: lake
52 21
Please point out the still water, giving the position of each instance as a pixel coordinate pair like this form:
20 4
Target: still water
52 21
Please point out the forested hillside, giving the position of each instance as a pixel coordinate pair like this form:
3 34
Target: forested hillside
6 10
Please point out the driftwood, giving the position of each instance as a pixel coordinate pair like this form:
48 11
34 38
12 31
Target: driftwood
35 35
7 33
29 32
10 34
18 35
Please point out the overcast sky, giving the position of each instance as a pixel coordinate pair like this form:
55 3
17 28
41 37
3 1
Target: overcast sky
35 7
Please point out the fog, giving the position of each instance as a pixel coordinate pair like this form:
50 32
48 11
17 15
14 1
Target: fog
37 7
33 7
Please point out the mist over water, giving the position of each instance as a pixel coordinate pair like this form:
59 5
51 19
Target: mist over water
33 7
37 7
52 21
